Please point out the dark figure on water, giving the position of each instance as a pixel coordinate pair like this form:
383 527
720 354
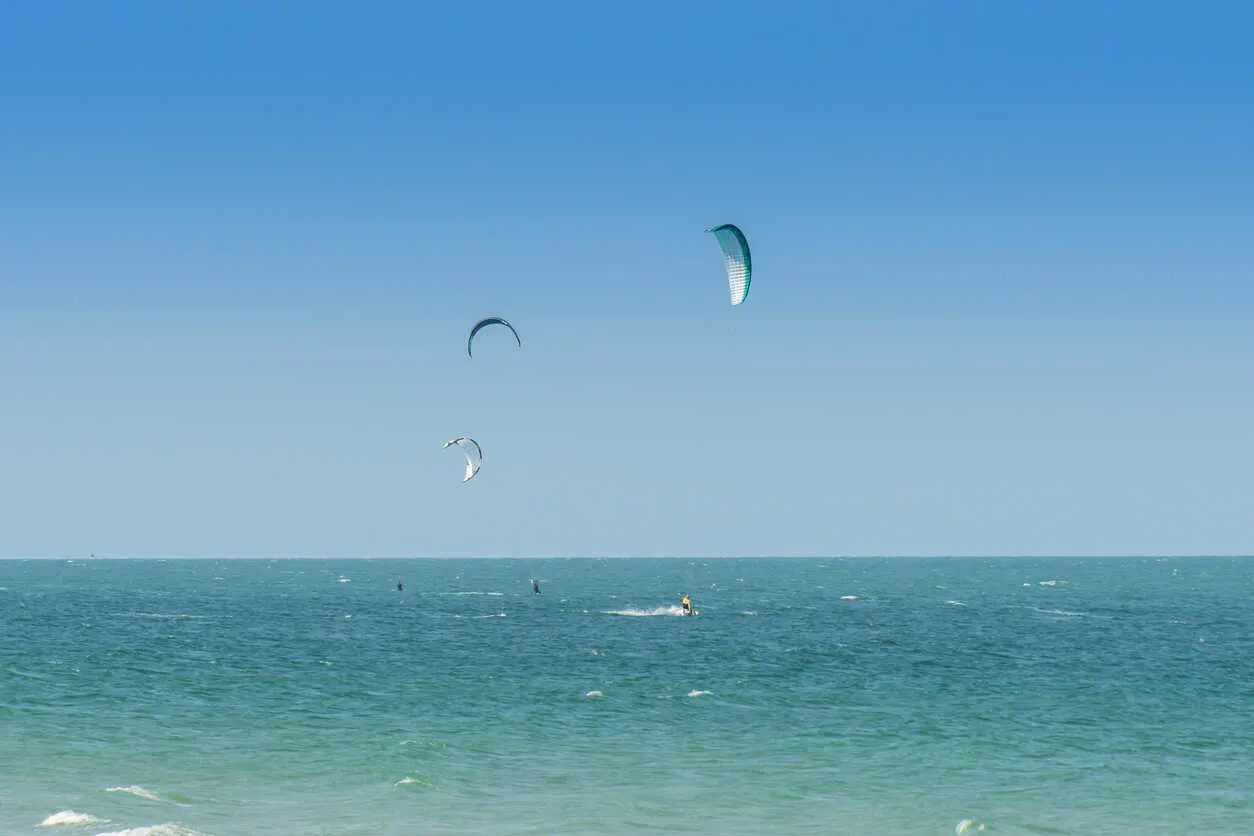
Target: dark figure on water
535 586
399 586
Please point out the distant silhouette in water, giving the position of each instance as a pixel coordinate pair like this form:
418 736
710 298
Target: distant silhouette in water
399 586
535 586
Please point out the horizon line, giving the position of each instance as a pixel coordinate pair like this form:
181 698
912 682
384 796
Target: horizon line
1108 556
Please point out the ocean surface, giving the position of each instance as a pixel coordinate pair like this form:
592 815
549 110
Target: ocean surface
897 696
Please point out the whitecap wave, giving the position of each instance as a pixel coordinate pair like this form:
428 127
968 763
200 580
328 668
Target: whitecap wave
956 603
668 610
409 780
700 693
1053 583
594 694
968 826
1058 612
493 615
849 597
494 594
137 791
70 817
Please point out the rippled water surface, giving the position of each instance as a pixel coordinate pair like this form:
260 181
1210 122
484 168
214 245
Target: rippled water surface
808 696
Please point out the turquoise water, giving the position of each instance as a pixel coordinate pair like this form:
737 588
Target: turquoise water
809 696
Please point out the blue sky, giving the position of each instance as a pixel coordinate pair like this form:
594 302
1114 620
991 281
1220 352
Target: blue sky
1001 305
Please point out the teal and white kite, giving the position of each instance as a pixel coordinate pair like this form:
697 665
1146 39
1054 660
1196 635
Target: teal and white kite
736 257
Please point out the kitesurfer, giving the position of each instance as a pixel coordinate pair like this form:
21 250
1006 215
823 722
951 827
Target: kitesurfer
535 586
687 605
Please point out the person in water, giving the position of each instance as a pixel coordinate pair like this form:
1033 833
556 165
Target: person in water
535 586
687 605
399 586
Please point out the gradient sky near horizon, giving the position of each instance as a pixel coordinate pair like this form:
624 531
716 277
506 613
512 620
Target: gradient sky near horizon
1002 300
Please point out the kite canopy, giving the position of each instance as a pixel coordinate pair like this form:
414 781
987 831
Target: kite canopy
471 450
736 257
483 323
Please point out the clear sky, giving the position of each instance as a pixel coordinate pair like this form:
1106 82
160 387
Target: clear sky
1002 300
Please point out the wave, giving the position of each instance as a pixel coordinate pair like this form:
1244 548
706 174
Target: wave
1058 612
163 615
700 693
435 744
594 694
667 610
494 594
167 829
956 603
968 826
408 780
1053 583
70 817
494 615
28 674
849 597
148 795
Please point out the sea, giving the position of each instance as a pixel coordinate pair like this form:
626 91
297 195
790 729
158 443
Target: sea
859 696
